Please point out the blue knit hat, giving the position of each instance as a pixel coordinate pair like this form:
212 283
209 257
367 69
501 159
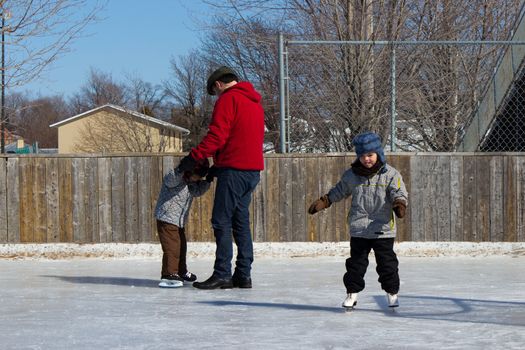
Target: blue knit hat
369 142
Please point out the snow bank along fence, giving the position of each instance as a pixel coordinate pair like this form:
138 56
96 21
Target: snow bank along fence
111 198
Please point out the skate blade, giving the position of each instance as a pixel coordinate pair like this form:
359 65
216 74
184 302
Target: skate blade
170 285
349 308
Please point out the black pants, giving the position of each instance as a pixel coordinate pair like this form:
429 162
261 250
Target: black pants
386 259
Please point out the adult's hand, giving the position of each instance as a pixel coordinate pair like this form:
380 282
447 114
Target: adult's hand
187 163
212 173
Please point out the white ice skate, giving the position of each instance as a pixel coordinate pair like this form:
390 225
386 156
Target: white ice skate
166 283
350 301
392 300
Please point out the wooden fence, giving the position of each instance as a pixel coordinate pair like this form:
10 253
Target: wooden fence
89 199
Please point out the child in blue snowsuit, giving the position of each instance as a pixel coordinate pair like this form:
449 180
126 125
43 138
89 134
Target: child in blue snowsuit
378 191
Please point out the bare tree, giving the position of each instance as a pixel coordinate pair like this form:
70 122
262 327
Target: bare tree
442 83
350 93
34 34
99 90
145 97
338 91
30 118
332 93
40 31
187 86
249 47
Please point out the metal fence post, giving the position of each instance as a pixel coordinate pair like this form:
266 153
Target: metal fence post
282 112
393 99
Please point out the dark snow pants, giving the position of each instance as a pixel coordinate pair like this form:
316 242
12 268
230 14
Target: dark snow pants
386 259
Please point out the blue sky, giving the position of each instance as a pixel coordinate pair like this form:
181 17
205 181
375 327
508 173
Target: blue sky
135 37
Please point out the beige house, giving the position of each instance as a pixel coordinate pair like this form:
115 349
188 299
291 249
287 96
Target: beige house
114 129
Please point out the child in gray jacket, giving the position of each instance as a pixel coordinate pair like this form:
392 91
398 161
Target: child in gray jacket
377 191
172 211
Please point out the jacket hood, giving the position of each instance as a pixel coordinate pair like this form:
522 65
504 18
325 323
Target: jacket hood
245 88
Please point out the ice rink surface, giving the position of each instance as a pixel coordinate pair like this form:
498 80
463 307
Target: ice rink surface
446 303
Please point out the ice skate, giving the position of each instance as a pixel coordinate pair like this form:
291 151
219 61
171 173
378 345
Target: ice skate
350 301
392 300
171 281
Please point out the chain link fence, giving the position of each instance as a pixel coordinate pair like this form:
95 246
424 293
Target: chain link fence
506 133
419 96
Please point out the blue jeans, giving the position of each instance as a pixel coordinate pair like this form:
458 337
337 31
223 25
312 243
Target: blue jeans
231 216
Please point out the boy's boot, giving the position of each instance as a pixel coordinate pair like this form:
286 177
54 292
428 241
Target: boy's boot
350 301
392 300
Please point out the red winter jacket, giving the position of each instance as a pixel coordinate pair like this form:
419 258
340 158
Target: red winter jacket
236 132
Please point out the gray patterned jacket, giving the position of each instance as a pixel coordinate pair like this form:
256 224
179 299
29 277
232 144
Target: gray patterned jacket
176 196
371 214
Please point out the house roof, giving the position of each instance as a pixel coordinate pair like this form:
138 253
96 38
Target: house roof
124 110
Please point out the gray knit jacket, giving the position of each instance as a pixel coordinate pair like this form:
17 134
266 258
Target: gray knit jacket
371 214
176 196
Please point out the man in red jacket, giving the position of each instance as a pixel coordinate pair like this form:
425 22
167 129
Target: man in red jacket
235 141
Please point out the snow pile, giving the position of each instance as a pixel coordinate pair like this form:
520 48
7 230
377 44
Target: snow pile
261 250
423 249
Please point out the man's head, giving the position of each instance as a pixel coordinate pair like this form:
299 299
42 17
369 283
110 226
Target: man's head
369 149
221 79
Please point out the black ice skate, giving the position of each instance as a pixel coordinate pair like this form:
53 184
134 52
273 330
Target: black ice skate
189 277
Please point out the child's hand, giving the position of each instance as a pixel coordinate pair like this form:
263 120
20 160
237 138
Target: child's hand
400 208
320 204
